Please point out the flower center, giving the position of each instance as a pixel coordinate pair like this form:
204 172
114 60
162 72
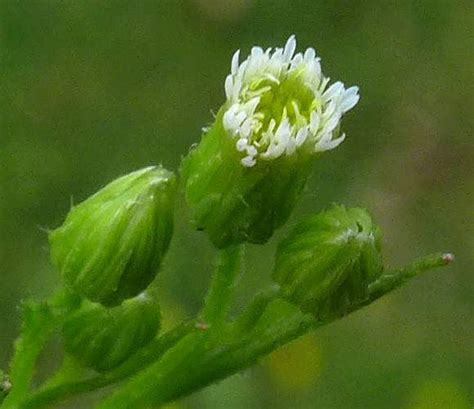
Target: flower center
285 98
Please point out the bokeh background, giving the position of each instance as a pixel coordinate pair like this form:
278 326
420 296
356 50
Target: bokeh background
90 90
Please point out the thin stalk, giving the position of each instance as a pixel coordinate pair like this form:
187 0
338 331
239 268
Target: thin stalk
38 323
253 312
226 273
398 277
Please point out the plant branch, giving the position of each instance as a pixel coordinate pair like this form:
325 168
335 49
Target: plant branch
226 273
398 277
146 356
38 323
200 359
253 312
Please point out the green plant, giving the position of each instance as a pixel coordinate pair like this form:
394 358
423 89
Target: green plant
241 183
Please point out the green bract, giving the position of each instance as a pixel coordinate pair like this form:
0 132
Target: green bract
111 245
325 265
101 338
234 203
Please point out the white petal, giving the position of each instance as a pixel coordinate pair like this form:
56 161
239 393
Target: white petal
333 91
290 48
329 111
273 151
239 118
257 52
241 144
250 106
350 99
324 83
314 122
228 119
331 124
235 63
278 150
297 60
251 150
248 161
301 136
282 134
331 144
354 90
290 147
309 54
246 128
277 55
349 103
229 86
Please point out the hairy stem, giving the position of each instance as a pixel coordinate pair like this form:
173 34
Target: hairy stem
398 277
226 273
38 323
199 360
253 312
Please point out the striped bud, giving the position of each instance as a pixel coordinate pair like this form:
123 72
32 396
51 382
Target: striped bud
101 338
326 264
111 245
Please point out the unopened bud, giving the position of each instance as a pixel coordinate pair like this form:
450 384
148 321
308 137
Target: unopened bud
101 338
327 262
111 245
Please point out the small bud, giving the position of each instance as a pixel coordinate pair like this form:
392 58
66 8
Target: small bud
101 338
327 262
243 179
111 245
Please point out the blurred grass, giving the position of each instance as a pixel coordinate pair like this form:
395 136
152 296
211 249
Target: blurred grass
91 90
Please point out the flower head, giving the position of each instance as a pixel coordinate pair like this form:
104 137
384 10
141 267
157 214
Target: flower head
279 102
245 176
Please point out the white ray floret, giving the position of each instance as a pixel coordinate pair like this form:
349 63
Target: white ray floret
279 102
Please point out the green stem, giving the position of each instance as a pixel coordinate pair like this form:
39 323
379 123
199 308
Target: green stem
253 312
396 278
199 360
146 356
38 323
165 377
226 273
69 370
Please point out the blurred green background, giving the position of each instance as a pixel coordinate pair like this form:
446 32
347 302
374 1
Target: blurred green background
90 90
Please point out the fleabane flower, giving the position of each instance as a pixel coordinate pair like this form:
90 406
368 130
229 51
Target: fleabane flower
279 102
244 177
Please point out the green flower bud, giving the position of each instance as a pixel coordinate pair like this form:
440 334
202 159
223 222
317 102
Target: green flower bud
101 338
111 245
326 264
244 177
